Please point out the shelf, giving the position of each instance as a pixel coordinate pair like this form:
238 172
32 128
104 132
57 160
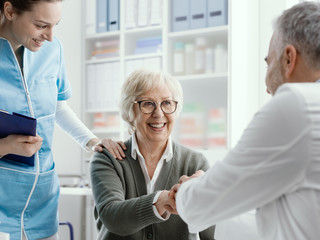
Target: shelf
104 60
103 35
221 30
202 76
148 30
138 56
109 110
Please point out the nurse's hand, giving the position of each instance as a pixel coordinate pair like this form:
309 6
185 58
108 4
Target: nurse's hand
20 145
115 148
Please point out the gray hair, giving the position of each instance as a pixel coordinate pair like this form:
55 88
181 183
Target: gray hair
141 81
300 26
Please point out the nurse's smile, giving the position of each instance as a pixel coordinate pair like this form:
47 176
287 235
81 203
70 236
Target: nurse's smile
37 42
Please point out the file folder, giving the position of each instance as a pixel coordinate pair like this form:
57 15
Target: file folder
156 12
90 7
102 20
217 13
143 12
113 15
180 15
198 14
16 123
131 14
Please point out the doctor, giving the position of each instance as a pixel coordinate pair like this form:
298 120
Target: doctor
33 82
275 167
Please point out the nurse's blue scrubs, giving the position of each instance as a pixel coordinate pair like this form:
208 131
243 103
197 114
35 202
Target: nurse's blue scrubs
29 195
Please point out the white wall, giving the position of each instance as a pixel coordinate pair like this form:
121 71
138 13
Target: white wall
67 154
244 65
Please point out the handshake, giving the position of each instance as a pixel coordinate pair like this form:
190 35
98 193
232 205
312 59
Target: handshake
166 203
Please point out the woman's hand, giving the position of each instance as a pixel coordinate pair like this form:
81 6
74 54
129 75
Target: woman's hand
164 204
20 145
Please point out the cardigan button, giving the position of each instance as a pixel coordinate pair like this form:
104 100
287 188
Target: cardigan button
149 235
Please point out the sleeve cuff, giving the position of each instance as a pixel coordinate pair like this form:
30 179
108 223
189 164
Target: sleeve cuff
166 215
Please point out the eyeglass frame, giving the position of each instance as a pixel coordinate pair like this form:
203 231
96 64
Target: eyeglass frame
155 105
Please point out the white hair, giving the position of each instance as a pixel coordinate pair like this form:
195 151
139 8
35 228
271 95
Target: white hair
141 81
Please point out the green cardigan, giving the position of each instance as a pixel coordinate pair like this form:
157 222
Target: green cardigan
124 209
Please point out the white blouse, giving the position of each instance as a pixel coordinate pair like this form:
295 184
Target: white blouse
274 168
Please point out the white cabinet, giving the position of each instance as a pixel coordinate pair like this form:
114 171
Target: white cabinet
203 120
217 100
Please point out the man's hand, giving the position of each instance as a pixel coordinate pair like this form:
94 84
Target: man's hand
185 178
175 188
172 198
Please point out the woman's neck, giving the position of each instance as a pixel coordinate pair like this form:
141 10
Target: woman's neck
152 151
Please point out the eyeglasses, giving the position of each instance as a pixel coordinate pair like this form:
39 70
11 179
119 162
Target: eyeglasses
147 106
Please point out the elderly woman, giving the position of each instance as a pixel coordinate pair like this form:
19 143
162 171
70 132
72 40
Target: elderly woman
131 195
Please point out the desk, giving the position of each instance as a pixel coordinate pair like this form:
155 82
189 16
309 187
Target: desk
85 191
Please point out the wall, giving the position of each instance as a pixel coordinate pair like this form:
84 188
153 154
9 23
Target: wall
67 153
244 65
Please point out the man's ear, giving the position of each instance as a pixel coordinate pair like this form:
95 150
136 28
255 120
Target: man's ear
289 60
8 11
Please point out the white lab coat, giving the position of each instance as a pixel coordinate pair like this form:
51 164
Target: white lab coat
274 168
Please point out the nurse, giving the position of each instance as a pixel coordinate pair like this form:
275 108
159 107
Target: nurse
34 83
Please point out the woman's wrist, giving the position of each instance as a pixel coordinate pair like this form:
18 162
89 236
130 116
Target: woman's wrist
160 203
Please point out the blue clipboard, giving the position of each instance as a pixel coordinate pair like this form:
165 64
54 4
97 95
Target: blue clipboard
16 123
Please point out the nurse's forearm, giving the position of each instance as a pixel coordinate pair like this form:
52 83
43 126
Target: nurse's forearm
72 125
